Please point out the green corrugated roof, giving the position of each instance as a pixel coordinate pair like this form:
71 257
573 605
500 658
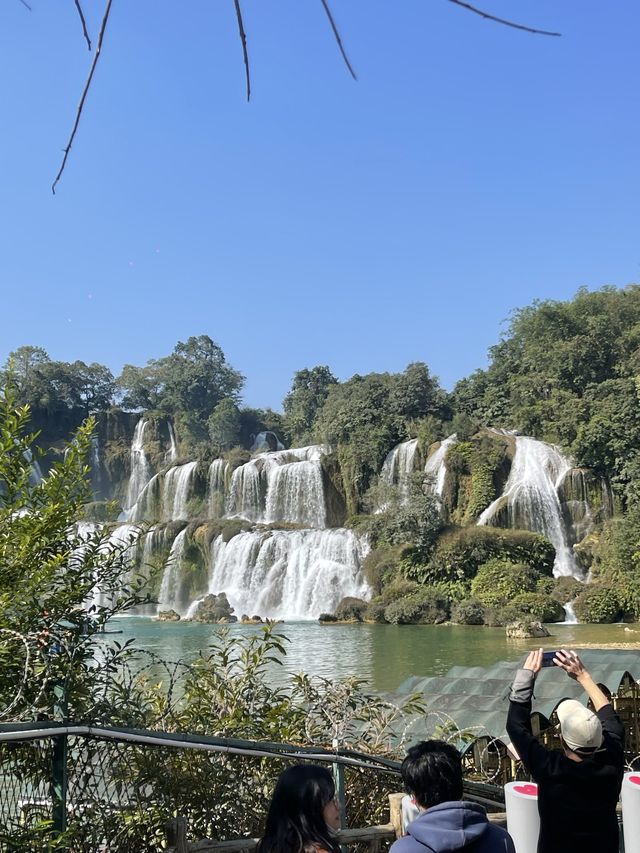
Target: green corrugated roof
476 697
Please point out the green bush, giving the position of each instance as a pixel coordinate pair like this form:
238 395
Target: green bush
546 585
498 582
566 589
398 588
351 609
498 617
598 603
427 607
460 551
381 565
468 612
539 606
375 612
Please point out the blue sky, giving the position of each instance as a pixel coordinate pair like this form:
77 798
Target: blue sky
470 170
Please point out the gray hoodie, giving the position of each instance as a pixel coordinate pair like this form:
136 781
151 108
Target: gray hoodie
454 826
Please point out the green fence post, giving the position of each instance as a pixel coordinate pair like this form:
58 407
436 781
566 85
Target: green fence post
59 763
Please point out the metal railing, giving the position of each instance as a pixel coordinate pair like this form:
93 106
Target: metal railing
100 788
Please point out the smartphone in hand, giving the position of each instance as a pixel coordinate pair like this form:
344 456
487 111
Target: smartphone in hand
547 658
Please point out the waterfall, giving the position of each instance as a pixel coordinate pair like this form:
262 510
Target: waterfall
530 499
245 492
140 467
284 485
295 492
436 467
288 574
145 508
175 494
570 617
169 589
399 464
125 540
216 487
94 465
172 454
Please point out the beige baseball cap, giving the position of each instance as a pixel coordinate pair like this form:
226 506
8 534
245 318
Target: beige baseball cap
580 728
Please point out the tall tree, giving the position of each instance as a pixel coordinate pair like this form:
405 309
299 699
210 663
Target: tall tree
309 391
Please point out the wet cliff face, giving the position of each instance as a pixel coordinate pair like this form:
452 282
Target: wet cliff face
119 436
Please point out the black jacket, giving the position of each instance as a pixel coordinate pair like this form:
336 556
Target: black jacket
576 800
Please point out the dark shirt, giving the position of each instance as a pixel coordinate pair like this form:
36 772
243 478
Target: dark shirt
576 799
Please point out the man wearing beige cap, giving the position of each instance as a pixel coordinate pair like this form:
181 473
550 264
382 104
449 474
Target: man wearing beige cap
578 788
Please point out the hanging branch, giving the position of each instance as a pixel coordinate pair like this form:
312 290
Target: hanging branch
243 39
504 21
338 39
24 3
96 56
84 23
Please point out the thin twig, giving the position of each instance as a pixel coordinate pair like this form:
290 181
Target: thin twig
504 21
84 23
338 39
243 39
24 3
96 56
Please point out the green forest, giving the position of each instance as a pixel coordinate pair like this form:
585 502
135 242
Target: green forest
567 373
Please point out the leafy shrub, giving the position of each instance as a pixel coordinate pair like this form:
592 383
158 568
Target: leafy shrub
351 609
498 617
375 612
542 607
381 565
398 588
425 607
498 582
566 589
546 585
468 612
597 603
236 457
460 551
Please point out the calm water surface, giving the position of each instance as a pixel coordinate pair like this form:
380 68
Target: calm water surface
384 655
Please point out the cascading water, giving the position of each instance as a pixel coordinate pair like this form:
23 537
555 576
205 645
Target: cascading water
216 487
169 589
295 492
141 471
570 617
530 499
436 468
172 453
245 493
176 491
285 485
400 463
288 574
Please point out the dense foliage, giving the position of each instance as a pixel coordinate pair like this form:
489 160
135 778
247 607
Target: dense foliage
566 372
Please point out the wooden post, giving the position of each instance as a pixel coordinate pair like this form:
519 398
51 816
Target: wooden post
395 814
177 834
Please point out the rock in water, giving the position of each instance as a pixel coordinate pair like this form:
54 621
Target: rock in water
522 630
168 616
214 608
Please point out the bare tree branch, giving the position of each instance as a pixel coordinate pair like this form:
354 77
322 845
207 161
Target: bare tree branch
85 91
84 23
24 3
338 39
243 39
504 21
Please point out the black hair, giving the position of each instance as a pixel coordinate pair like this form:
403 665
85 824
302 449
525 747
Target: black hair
432 773
295 820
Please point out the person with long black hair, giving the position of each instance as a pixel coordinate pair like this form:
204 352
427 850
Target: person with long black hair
304 814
